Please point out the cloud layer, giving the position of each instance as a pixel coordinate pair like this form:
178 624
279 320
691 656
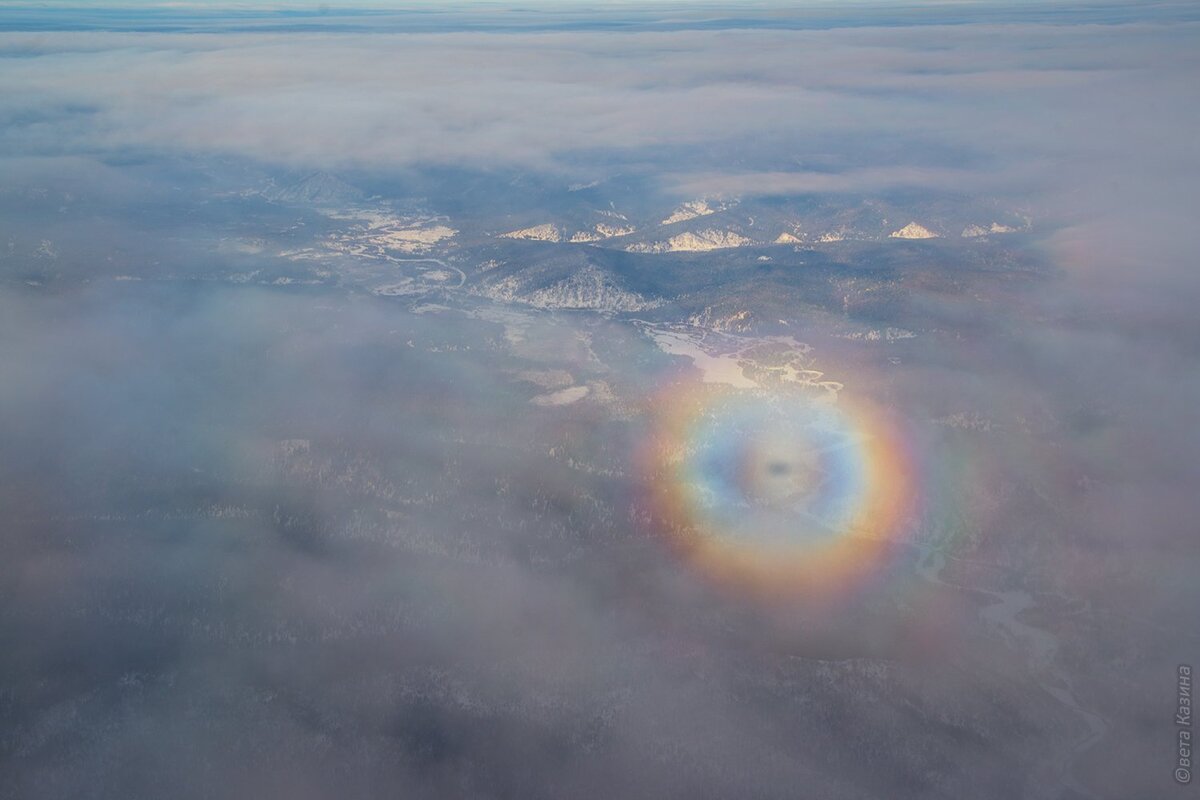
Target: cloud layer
301 541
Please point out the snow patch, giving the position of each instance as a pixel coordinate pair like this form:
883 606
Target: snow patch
696 208
694 242
913 231
538 233
562 397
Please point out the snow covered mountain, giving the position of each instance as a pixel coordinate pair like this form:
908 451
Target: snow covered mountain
317 189
704 225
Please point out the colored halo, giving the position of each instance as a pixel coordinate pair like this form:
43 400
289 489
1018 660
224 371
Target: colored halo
780 494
